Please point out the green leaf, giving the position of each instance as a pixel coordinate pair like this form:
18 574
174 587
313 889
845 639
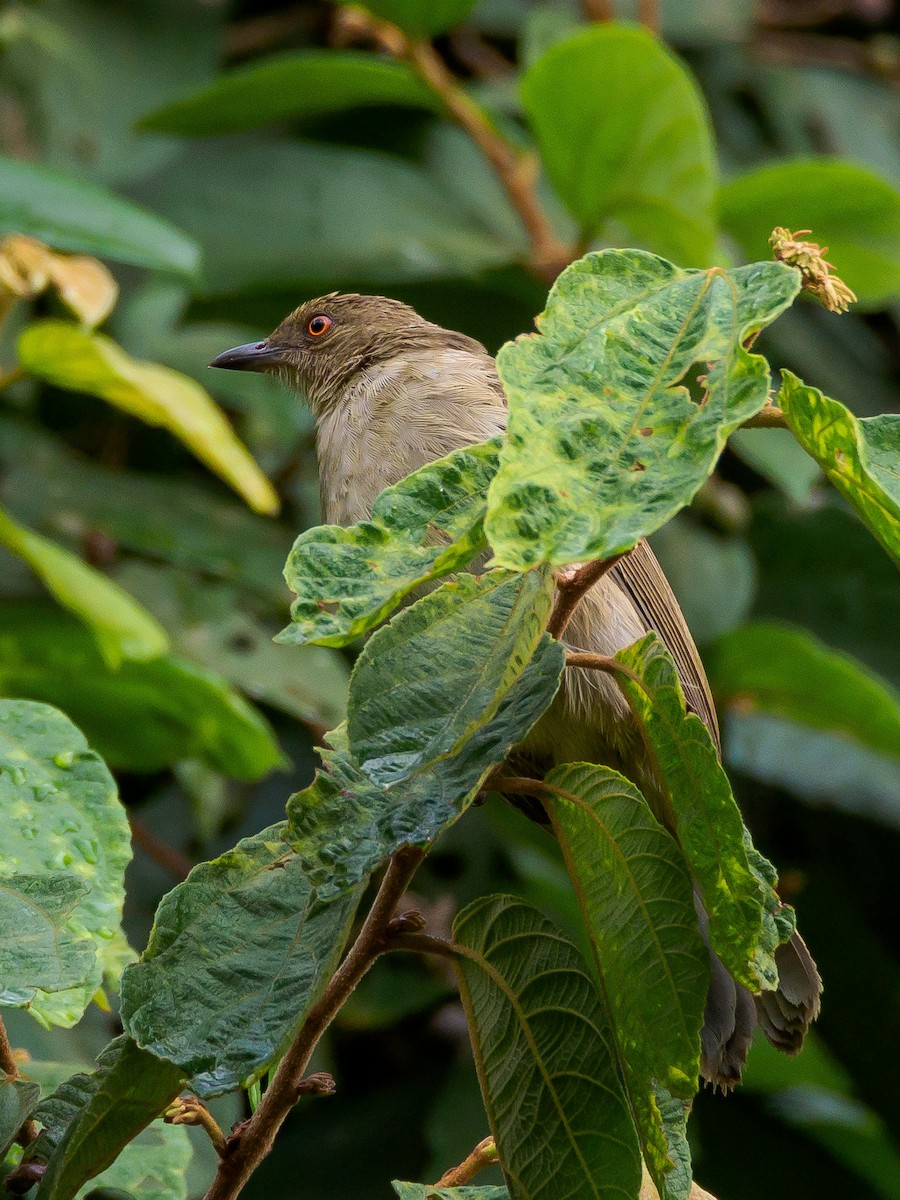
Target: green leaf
143 716
421 18
370 219
634 892
433 677
38 948
151 1167
304 83
704 816
72 214
368 822
59 811
17 1101
348 579
89 1119
238 955
605 444
624 134
61 353
849 208
772 668
860 457
545 1056
423 1191
123 628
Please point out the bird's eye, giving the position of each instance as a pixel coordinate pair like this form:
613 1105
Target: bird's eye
319 324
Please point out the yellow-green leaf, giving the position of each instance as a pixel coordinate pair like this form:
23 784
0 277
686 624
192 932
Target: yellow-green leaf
122 627
68 357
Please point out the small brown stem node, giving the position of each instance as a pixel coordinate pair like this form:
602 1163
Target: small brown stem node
571 586
484 1155
188 1110
319 1084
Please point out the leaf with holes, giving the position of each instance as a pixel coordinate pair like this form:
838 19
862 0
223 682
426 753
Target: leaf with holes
348 579
860 457
545 1055
605 443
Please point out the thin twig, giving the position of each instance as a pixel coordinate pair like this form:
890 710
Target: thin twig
648 14
599 10
601 662
168 857
484 1155
248 1146
570 591
8 1065
13 375
188 1110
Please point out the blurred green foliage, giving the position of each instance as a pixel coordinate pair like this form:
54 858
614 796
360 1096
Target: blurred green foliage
230 160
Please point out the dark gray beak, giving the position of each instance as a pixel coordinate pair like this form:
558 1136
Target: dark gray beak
254 356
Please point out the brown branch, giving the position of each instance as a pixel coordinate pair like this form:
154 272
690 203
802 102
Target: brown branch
253 1140
484 1155
599 10
601 662
770 417
571 589
10 1068
168 857
648 14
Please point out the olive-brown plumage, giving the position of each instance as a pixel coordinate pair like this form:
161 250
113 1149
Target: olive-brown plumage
390 392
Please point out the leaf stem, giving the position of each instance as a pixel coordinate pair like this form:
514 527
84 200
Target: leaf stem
601 662
250 1144
769 417
571 589
484 1155
28 1132
188 1110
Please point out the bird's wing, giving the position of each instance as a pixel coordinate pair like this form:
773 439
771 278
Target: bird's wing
642 578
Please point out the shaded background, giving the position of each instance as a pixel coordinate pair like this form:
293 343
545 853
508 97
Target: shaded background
392 199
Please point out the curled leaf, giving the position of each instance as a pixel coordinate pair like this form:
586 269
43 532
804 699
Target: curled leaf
85 286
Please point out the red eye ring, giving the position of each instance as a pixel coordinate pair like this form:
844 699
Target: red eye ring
319 324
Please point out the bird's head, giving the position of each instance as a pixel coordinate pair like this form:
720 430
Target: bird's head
323 345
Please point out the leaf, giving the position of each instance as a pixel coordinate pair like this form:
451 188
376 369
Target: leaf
421 18
143 716
604 446
704 816
60 353
624 134
770 668
151 1167
634 892
59 812
84 285
433 677
238 955
89 1119
423 1191
545 1056
75 215
17 1101
38 949
367 823
850 209
860 457
348 579
303 83
122 627
370 219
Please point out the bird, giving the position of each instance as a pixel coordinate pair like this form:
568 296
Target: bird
390 392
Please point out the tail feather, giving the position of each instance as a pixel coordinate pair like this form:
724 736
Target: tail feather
786 1014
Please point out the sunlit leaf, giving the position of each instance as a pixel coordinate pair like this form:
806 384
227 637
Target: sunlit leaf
123 628
73 214
860 457
605 443
849 209
89 1119
301 84
84 285
59 812
68 357
545 1056
702 811
624 134
238 954
142 716
774 669
421 18
348 579
423 1191
634 892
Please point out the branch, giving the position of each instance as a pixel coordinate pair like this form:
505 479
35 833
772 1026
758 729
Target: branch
769 417
10 1068
572 587
484 1155
602 662
253 1140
